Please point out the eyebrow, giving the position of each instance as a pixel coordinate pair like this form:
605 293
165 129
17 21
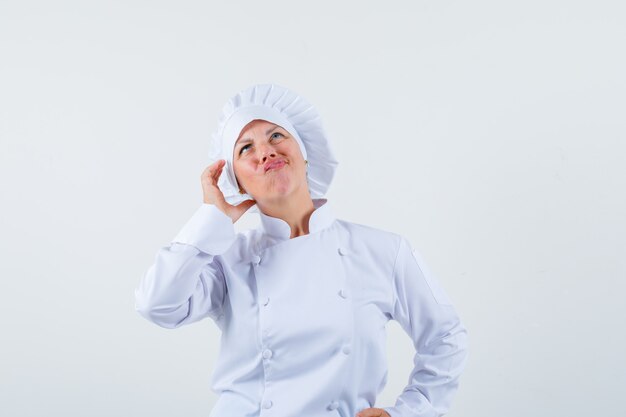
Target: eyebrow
247 140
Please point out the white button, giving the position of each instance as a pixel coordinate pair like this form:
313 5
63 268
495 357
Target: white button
346 350
267 353
333 405
267 403
256 259
267 300
342 251
343 293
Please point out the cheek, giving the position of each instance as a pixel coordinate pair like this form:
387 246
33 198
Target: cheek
241 171
246 172
293 151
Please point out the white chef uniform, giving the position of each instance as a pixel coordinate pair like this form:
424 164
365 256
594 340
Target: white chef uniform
303 319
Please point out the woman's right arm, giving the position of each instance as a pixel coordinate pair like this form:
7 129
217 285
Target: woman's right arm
186 283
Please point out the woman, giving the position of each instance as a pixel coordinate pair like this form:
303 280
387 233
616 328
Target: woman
302 300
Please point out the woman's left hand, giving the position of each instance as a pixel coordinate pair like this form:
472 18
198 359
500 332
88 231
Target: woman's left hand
372 412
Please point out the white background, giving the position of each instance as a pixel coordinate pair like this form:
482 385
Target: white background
491 134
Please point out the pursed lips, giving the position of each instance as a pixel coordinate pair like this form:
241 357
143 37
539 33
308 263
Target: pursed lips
275 164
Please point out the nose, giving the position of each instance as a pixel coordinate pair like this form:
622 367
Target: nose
266 151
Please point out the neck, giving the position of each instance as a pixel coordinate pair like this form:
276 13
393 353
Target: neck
295 210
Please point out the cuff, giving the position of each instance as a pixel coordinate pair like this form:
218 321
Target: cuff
402 411
209 229
392 411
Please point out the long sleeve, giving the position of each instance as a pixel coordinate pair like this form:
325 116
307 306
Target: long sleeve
186 283
424 311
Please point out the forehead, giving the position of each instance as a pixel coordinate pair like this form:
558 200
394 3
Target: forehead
257 123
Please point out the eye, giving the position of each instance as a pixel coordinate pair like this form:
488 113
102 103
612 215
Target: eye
271 137
242 148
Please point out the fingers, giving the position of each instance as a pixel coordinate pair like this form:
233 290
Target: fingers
213 194
372 412
213 171
209 178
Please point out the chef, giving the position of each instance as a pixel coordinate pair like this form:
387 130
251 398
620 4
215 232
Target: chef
301 301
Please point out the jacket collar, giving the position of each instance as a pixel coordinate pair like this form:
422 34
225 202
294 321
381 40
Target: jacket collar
321 218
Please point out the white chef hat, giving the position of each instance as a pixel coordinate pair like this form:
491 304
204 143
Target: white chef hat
287 109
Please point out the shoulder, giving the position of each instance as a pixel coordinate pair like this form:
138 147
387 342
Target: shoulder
364 231
245 244
383 244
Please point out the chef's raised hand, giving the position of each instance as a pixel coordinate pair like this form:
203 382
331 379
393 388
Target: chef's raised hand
372 412
213 195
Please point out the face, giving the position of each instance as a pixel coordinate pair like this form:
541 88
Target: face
263 144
